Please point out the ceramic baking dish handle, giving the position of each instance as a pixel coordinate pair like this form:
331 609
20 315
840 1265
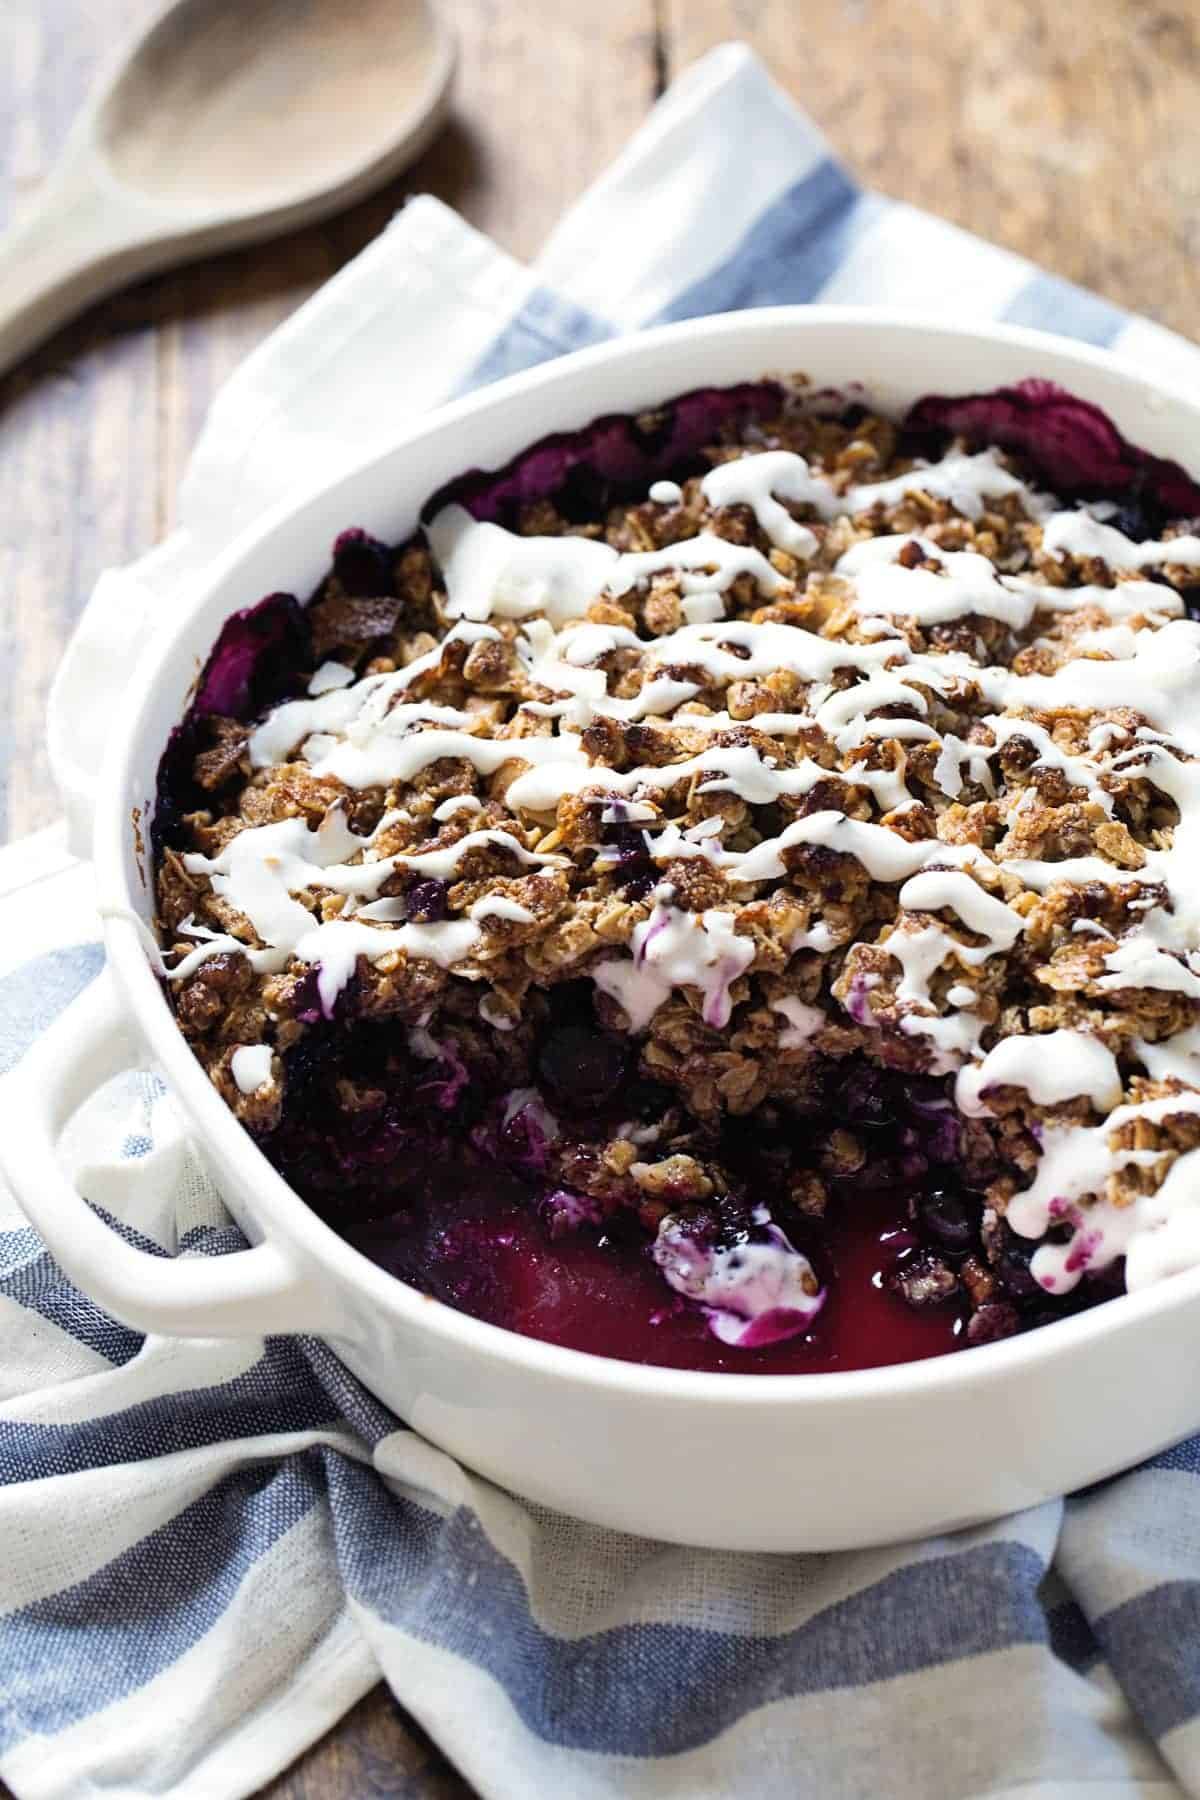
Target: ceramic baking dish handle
247 1293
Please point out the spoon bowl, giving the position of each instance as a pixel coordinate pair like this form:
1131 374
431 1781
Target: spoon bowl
226 121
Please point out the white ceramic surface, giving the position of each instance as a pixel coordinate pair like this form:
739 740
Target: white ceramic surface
776 1463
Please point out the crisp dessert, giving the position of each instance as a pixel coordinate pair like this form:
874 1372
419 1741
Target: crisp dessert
726 891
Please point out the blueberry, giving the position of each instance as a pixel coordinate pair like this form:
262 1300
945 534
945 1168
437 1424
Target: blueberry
649 1102
639 884
626 855
865 1102
625 844
362 564
582 1066
945 1217
425 903
1012 1266
1131 519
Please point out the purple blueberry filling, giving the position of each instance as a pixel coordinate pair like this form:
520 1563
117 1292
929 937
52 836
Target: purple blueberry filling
1073 446
362 565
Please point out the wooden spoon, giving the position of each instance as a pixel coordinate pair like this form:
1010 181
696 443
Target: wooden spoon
226 121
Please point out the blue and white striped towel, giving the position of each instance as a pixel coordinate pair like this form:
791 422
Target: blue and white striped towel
208 1551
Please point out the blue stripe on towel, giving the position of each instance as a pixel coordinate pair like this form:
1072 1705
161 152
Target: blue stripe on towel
790 253
605 1692
1181 1459
1151 1643
30 1277
1051 304
34 995
79 1650
546 326
276 1394
1071 1637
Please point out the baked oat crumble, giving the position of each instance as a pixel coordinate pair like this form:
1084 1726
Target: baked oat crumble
819 823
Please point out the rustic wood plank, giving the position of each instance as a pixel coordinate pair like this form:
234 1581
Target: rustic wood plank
375 1752
1069 134
78 427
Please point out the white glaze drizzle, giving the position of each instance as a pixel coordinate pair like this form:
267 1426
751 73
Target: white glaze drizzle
502 906
1080 534
1158 1234
756 481
673 948
1050 1068
250 1066
329 676
964 583
803 1021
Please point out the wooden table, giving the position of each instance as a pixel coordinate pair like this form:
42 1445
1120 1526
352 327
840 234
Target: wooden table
1071 134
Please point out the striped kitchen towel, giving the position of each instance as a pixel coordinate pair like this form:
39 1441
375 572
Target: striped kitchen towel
209 1550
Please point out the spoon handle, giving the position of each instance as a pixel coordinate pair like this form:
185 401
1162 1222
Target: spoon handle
78 244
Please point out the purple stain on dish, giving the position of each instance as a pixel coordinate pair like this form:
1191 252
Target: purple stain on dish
1073 446
261 656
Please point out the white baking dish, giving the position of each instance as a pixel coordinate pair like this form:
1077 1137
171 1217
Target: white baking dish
742 1461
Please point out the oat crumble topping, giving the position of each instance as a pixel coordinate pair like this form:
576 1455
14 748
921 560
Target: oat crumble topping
825 819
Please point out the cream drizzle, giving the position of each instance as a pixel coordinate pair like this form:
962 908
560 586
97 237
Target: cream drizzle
1158 1234
755 1292
1080 534
250 1066
803 1021
1051 1068
673 948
